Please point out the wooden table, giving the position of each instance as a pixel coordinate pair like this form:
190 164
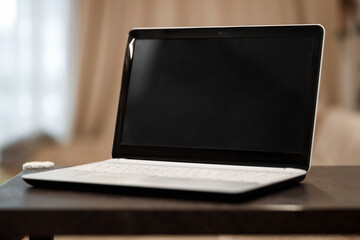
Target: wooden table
326 202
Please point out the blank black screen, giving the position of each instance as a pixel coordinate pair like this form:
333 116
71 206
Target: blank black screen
232 93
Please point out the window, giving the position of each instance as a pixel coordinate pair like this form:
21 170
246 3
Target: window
36 68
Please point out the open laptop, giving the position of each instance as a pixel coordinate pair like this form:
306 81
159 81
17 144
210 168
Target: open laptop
224 110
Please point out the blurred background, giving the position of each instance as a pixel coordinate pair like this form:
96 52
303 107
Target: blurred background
61 66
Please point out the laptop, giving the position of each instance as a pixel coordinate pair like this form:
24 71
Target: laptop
218 110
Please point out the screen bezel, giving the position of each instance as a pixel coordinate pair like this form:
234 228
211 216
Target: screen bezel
217 156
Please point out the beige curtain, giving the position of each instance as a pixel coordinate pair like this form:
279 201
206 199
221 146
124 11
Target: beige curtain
349 39
102 33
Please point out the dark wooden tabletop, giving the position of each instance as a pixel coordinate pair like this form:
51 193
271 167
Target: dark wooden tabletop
326 202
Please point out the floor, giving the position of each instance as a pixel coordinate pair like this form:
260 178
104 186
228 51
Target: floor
5 175
240 237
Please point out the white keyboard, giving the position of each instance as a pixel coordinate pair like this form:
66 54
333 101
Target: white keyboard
180 170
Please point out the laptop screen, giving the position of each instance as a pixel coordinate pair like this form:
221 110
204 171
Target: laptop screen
238 94
255 92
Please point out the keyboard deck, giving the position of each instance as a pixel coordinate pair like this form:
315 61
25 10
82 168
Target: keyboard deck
251 174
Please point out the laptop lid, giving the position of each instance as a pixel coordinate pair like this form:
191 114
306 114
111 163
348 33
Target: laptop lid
228 95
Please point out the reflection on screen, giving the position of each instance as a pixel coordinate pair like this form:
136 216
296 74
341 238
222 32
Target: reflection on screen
238 94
